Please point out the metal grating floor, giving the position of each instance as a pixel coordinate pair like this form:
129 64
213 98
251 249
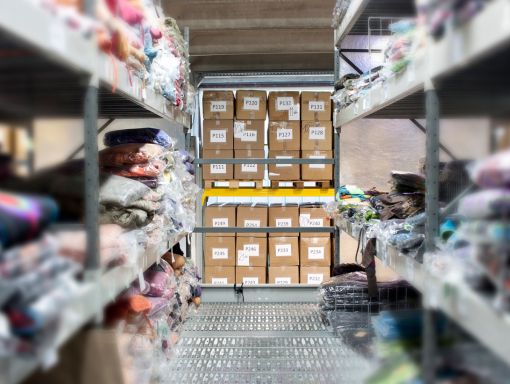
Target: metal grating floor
264 344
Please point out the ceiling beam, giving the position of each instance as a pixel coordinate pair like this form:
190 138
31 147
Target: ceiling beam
261 42
250 14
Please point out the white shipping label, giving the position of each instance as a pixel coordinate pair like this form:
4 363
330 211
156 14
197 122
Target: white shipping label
243 260
284 103
315 222
220 222
251 103
249 168
218 136
284 223
294 112
304 219
251 250
219 281
282 280
219 253
250 280
317 133
283 134
315 278
316 106
252 223
248 135
283 250
218 106
317 166
283 165
218 168
239 127
316 253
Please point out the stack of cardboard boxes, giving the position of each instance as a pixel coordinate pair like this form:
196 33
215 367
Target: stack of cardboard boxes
300 127
249 133
316 135
218 133
243 257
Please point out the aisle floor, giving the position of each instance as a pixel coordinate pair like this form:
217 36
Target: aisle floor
264 344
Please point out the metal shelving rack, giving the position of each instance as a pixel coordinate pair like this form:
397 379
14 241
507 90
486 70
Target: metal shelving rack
462 74
51 70
265 292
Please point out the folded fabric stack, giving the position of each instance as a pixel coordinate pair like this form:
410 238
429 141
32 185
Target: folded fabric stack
440 14
165 206
151 314
485 228
137 34
36 284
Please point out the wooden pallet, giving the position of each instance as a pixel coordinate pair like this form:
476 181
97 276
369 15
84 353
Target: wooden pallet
233 184
300 184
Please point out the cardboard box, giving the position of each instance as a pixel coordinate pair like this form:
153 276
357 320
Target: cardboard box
220 215
220 275
314 275
284 171
251 251
218 105
220 251
316 135
251 105
317 172
251 275
249 171
252 216
217 171
218 134
315 251
316 106
313 215
284 106
249 134
283 275
283 251
284 136
283 215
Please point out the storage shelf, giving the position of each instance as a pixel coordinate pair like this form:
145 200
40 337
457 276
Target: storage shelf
352 15
268 192
454 297
92 297
51 65
405 84
407 267
446 61
48 35
263 229
270 293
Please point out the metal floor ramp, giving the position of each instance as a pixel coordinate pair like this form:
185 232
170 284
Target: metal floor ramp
265 343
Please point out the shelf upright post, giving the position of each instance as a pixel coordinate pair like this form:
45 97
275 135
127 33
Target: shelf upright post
336 180
90 109
432 223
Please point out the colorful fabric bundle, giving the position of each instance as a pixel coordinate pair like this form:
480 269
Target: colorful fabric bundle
138 136
23 217
493 172
487 204
153 169
129 154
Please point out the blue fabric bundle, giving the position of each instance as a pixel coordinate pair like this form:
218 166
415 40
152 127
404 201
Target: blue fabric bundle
138 135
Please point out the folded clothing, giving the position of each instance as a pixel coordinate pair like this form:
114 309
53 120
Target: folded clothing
138 135
23 217
154 168
398 205
493 172
488 204
135 215
133 153
408 181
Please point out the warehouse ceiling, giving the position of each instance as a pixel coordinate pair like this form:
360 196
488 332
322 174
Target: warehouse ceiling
257 35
